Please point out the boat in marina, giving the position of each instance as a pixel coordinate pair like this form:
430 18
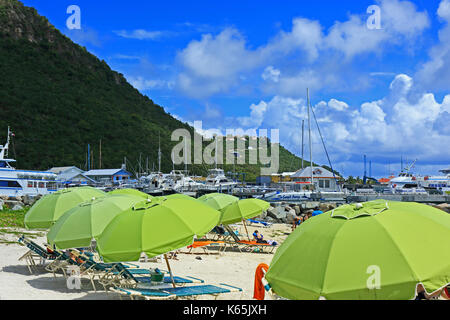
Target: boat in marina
15 182
409 183
179 181
216 181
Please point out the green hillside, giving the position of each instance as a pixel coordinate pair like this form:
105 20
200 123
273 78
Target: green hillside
58 98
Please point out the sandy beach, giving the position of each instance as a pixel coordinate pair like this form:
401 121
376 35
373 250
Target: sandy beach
233 268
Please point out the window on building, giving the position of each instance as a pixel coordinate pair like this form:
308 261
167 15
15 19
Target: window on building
30 184
41 185
327 183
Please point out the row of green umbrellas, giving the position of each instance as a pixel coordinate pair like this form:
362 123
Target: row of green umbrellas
374 250
127 222
232 209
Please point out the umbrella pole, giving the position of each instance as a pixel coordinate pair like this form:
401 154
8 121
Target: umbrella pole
245 226
170 270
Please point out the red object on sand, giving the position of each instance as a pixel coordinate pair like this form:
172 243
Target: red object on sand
259 291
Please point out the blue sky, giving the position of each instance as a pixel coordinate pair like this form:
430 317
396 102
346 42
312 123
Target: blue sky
247 64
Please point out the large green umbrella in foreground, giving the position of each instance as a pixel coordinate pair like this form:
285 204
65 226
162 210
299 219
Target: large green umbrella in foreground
52 206
242 210
374 250
155 227
78 226
131 192
218 201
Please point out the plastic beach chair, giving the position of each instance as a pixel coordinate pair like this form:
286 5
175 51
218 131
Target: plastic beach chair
206 245
35 252
178 292
119 276
249 246
99 270
265 224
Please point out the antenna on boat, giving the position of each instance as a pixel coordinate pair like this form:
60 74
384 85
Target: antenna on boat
100 155
7 142
159 153
4 149
89 157
185 156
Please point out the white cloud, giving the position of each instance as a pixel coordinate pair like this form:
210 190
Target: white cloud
382 74
272 74
84 36
401 18
213 64
142 34
305 35
383 129
217 63
444 10
337 105
145 84
257 112
434 73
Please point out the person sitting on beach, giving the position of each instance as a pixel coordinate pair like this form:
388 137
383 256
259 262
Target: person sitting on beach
316 211
219 230
446 293
297 222
423 295
259 238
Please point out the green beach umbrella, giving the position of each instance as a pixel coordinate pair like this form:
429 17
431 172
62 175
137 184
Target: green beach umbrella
132 192
78 226
374 250
52 206
177 196
155 227
218 201
242 210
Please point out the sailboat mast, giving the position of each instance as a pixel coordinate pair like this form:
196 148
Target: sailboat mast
310 143
89 157
303 144
215 153
100 155
185 156
159 155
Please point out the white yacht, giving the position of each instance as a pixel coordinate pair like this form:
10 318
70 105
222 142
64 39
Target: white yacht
216 180
406 182
441 183
179 181
153 183
14 183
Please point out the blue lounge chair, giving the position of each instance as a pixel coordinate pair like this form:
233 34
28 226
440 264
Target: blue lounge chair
265 224
35 252
123 277
178 292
